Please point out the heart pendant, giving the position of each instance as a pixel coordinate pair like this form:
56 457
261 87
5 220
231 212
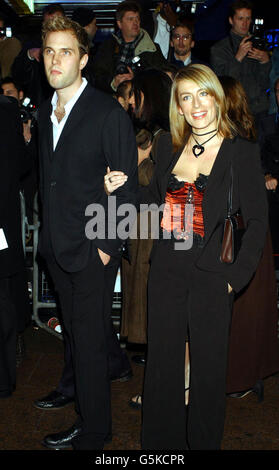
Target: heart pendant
198 150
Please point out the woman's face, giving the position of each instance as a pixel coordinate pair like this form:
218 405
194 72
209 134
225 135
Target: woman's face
132 103
197 106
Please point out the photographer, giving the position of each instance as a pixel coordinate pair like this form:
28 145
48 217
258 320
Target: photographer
239 56
28 183
12 150
28 67
9 48
124 53
28 112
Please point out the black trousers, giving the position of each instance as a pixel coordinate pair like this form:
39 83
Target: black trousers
118 361
8 330
82 299
185 301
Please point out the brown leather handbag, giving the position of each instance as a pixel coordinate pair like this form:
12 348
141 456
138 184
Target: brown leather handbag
233 231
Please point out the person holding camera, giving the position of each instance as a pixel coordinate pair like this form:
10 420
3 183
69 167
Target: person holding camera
240 56
28 186
12 150
10 47
129 50
28 66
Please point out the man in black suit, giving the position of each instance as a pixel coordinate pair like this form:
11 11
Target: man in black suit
81 132
12 165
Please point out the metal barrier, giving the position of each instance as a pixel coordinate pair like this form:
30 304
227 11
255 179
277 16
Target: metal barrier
42 296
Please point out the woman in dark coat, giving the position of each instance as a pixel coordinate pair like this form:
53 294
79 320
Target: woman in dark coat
150 95
190 291
253 347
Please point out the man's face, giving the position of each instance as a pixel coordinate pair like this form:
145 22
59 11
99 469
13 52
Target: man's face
9 89
241 22
182 41
62 60
129 25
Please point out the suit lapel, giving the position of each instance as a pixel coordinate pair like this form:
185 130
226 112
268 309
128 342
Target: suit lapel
46 131
166 173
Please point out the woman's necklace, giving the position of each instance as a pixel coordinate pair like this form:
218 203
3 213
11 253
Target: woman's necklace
198 149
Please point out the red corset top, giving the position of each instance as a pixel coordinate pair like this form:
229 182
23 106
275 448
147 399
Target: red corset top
176 218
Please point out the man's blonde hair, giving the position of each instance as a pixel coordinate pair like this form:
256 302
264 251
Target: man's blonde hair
206 79
62 23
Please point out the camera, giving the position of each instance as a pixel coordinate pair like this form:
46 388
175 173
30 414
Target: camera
5 32
27 110
136 63
121 69
258 37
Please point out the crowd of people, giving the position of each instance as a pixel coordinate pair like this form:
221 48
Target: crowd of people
140 119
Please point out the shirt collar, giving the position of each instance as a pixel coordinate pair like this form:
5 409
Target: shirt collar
186 61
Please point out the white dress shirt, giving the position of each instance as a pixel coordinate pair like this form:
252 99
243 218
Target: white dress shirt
57 127
162 36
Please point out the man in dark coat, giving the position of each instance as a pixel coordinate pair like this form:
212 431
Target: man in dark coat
81 132
28 66
12 151
238 56
125 52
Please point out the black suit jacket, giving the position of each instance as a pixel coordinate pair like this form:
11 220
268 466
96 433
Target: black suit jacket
249 196
12 167
98 133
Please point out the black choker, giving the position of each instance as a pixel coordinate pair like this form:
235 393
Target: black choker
206 133
198 149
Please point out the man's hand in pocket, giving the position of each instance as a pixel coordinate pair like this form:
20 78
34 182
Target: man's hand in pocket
104 257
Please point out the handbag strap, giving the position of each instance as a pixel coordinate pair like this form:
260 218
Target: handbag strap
230 195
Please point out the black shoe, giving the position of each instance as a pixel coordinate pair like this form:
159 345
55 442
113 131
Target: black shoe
258 389
135 401
123 377
139 360
53 401
63 439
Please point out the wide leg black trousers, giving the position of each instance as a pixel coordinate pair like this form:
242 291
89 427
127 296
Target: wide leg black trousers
185 301
82 299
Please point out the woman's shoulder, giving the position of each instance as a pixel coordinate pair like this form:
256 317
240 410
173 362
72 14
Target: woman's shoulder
244 147
246 154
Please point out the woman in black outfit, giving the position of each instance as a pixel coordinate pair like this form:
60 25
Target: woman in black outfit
190 290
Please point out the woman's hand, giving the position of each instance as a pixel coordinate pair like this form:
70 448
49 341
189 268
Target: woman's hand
229 288
113 180
270 183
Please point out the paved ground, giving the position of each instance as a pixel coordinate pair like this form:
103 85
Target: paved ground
249 425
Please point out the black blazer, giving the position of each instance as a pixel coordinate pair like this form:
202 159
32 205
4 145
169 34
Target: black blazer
98 133
12 166
249 196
